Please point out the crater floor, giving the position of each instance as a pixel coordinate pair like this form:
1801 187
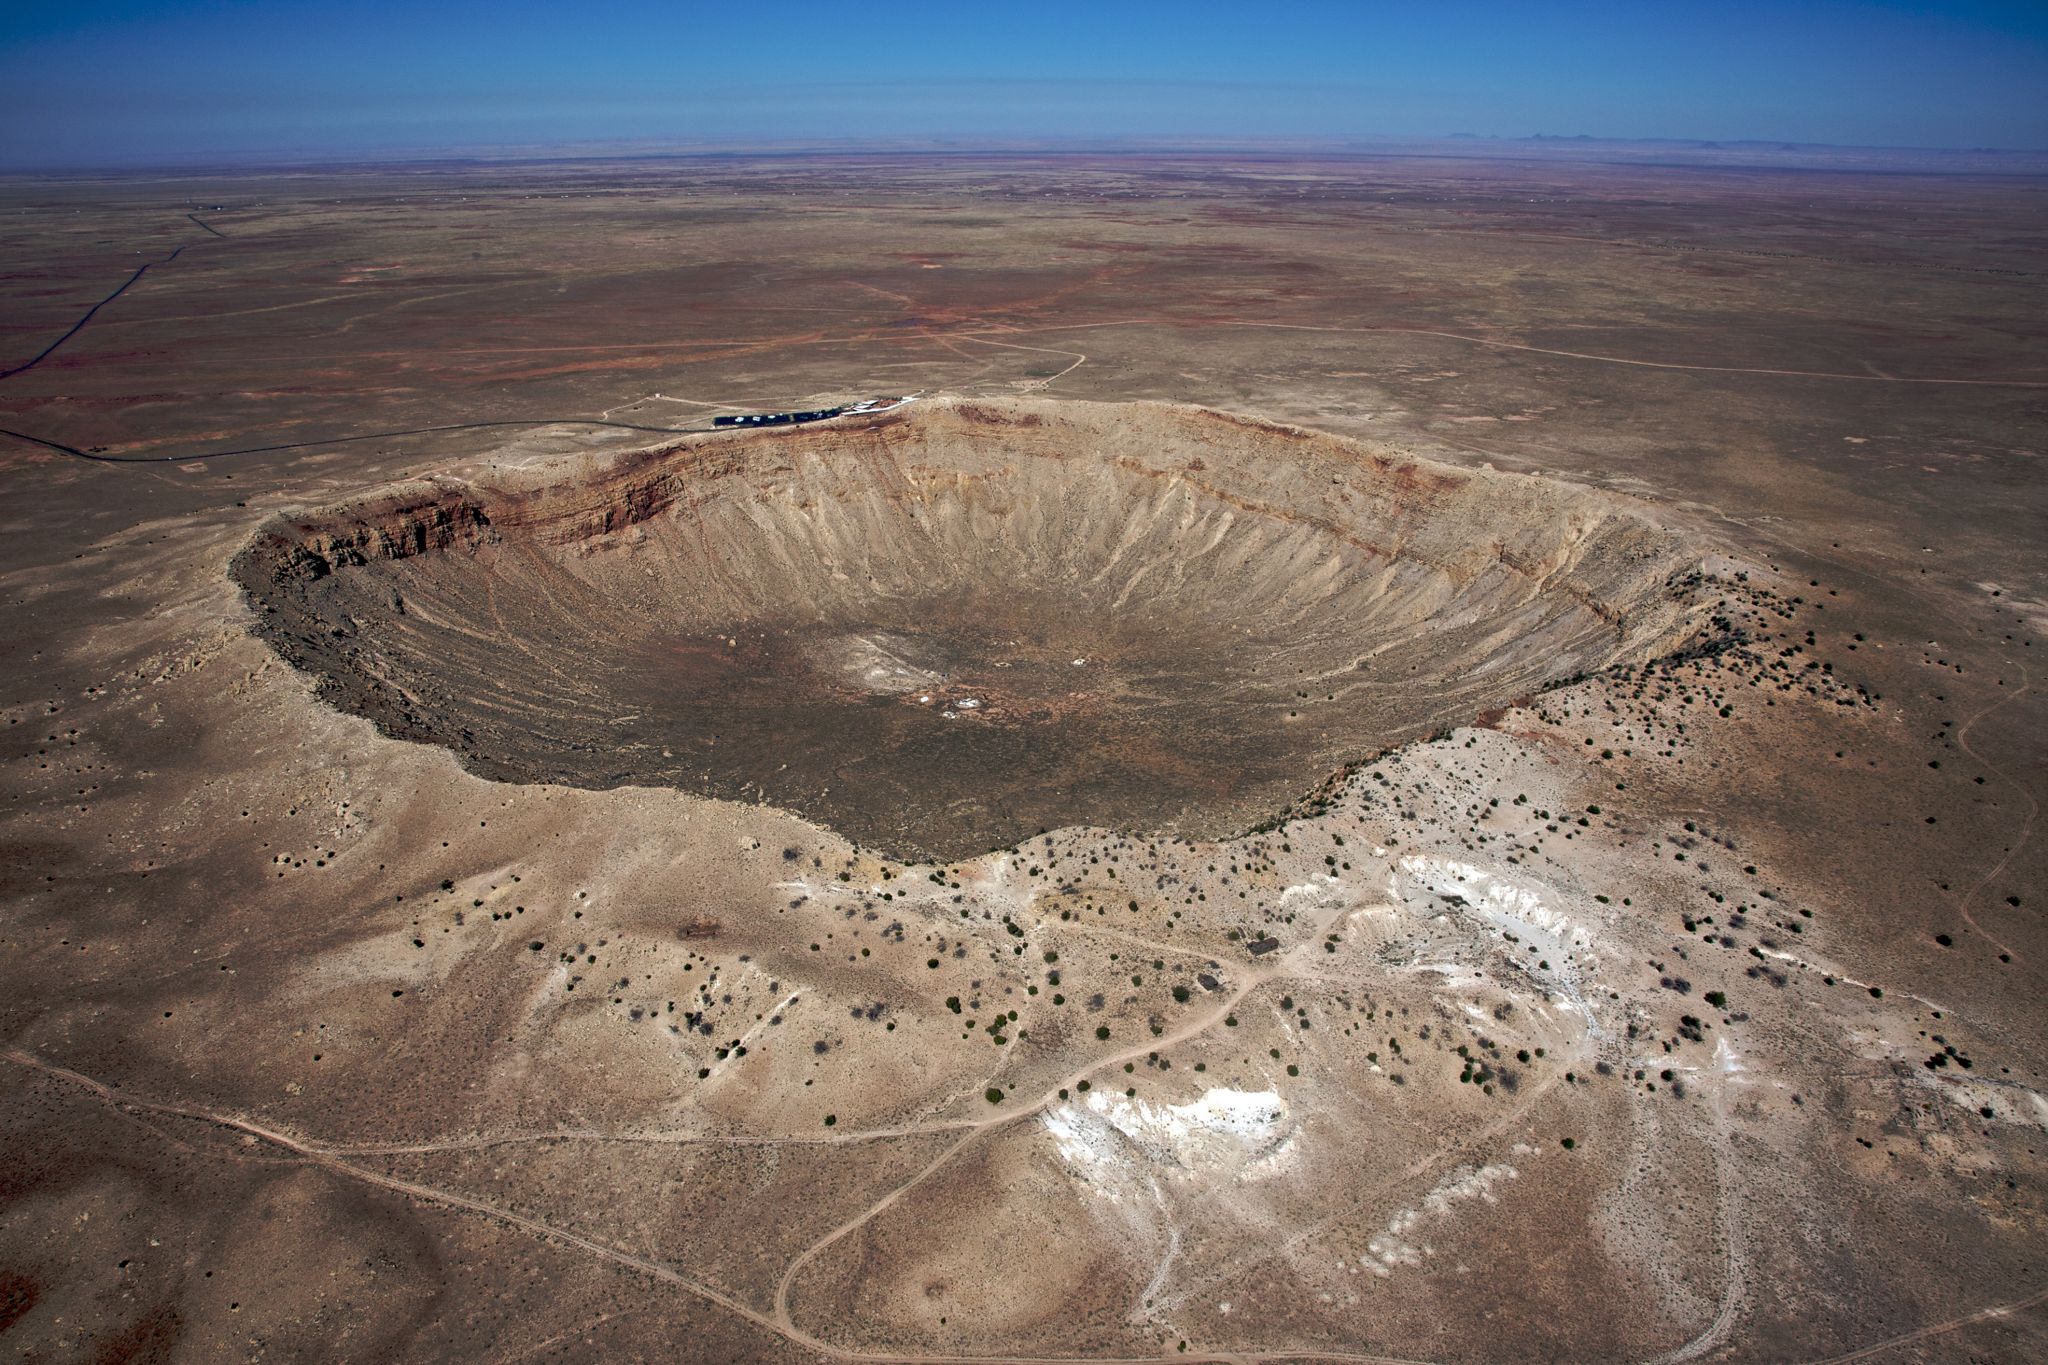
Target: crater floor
944 630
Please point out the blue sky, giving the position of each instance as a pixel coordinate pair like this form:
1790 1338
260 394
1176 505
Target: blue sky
93 83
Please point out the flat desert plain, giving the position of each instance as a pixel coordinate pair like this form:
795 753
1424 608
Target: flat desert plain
1395 758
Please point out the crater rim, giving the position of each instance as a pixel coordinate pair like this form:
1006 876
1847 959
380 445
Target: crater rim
1607 564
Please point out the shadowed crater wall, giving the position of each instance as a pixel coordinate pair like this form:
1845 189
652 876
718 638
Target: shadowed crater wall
941 630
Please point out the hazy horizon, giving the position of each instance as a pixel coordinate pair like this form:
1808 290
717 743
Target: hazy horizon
107 85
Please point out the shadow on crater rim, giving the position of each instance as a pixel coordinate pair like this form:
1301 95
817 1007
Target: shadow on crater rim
943 629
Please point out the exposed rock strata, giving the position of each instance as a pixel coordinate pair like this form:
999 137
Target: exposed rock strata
943 629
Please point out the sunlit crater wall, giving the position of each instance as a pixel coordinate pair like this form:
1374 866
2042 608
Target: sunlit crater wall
947 628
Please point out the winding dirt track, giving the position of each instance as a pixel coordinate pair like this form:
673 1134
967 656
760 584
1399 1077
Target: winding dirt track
1195 1027
335 1158
1286 966
1935 1329
781 1323
2026 826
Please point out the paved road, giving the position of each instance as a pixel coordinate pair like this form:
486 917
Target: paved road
79 325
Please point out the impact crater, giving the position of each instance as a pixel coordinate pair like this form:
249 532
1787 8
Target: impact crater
945 628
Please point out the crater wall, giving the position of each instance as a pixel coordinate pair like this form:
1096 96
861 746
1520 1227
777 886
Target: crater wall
945 628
